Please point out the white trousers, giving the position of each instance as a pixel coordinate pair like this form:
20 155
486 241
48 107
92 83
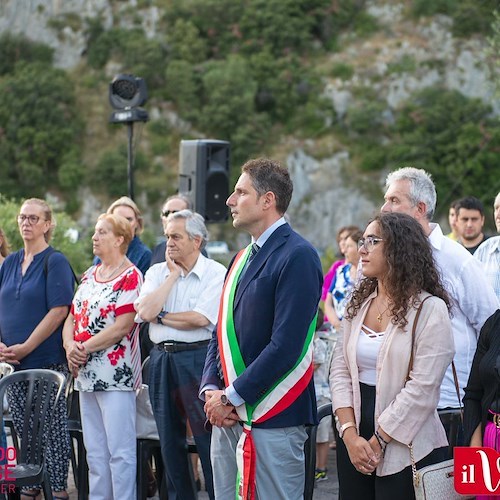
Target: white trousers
108 422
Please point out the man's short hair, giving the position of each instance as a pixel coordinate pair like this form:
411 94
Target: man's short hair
195 225
422 187
269 175
470 203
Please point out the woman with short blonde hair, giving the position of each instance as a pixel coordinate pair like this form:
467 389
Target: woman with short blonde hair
138 253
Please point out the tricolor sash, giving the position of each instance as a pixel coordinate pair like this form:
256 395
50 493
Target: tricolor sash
279 397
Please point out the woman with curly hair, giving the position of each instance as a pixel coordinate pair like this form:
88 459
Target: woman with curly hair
381 408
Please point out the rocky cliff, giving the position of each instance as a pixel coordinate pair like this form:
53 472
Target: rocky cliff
402 56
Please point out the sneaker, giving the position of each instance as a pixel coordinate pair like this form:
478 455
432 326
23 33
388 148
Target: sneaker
320 475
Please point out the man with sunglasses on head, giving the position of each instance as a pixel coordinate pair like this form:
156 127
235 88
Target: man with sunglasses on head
412 191
174 203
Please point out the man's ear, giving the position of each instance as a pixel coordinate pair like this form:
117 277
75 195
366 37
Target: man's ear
269 199
421 210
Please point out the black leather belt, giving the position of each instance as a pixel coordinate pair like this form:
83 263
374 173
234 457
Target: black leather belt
173 346
494 417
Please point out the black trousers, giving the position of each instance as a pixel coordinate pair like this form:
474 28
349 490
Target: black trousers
353 485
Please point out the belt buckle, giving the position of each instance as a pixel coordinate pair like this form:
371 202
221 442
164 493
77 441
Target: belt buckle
496 420
167 345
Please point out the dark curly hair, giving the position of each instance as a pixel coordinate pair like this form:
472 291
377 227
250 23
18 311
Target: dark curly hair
411 268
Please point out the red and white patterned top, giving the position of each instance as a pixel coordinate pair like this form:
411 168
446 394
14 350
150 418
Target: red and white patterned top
95 307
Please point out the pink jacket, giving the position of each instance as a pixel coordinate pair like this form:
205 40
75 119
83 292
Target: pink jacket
405 411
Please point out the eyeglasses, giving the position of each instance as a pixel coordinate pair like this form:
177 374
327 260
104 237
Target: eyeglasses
166 213
369 243
32 219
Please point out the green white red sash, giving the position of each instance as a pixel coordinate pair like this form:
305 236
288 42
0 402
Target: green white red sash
279 397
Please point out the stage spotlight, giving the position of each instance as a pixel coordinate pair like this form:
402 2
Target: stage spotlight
126 94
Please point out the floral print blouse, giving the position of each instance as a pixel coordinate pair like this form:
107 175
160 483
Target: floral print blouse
95 307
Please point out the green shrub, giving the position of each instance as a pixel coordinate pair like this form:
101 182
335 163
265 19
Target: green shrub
111 174
406 64
431 7
452 137
366 117
469 16
342 70
15 49
40 121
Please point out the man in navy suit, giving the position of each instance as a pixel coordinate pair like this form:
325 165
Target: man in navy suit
263 343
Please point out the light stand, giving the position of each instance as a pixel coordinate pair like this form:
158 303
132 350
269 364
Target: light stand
126 94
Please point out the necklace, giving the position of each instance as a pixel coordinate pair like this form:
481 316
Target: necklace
113 271
380 314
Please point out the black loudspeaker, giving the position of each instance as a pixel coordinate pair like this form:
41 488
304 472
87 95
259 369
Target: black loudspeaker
204 177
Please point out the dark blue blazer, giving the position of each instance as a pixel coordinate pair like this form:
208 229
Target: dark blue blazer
275 302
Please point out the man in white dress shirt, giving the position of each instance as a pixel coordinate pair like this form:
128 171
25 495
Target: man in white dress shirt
180 299
412 191
489 252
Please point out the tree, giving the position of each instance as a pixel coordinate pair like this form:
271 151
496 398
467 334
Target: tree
15 49
40 126
452 137
229 90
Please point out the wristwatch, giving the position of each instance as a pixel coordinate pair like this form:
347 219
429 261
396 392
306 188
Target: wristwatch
224 400
160 316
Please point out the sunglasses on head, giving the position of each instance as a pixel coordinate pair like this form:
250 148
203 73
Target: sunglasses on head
166 213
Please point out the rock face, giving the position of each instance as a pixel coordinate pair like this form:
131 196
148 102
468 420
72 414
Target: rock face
60 24
397 60
323 200
57 23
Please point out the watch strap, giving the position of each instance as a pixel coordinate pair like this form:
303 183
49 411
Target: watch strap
344 427
160 316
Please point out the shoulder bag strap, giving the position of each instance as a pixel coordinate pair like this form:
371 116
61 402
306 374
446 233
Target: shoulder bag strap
413 333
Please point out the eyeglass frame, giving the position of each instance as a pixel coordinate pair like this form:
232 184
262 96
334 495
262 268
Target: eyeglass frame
373 241
30 218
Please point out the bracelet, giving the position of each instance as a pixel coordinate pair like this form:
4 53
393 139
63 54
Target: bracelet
344 427
381 441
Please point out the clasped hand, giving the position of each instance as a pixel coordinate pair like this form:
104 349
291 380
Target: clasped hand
77 357
364 455
218 414
12 354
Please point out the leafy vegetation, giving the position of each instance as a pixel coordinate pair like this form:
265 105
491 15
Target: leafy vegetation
40 129
251 72
453 138
469 16
14 49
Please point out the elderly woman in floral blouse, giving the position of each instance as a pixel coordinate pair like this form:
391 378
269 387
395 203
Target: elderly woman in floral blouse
101 342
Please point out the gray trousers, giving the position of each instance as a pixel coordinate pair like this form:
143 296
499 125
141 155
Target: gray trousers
280 472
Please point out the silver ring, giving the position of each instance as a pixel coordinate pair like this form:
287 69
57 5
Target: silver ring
369 461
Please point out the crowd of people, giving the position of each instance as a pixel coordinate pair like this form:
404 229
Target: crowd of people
238 358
